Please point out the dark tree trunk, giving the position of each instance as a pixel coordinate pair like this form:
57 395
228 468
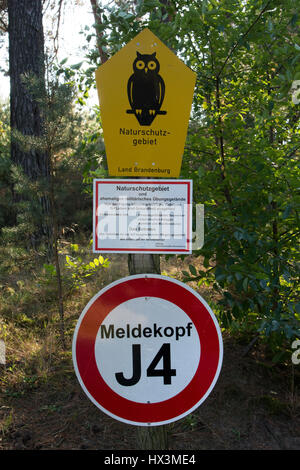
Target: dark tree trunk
26 56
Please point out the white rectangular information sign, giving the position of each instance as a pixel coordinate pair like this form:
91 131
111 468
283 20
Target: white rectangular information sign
144 216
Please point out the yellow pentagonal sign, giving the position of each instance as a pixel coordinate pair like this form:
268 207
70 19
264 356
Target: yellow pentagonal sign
145 95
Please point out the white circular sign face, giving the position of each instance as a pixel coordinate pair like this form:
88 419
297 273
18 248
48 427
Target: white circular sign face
133 335
147 350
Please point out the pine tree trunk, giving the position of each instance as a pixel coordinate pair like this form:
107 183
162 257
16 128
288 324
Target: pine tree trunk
152 438
148 438
26 56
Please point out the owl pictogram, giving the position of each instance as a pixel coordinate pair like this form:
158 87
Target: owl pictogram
145 89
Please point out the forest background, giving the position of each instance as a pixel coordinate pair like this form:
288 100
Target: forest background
242 153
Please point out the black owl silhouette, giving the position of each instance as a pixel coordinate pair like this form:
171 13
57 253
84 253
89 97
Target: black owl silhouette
145 89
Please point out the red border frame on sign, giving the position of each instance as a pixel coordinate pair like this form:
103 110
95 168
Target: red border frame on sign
131 250
85 361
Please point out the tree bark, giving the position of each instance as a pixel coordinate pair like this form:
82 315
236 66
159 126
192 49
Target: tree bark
143 264
152 438
98 21
26 57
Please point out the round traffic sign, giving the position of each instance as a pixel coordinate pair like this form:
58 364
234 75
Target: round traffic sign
147 350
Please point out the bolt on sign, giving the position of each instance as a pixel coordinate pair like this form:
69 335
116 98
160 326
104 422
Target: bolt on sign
145 95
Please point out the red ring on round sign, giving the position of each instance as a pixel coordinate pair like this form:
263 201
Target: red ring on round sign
192 304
